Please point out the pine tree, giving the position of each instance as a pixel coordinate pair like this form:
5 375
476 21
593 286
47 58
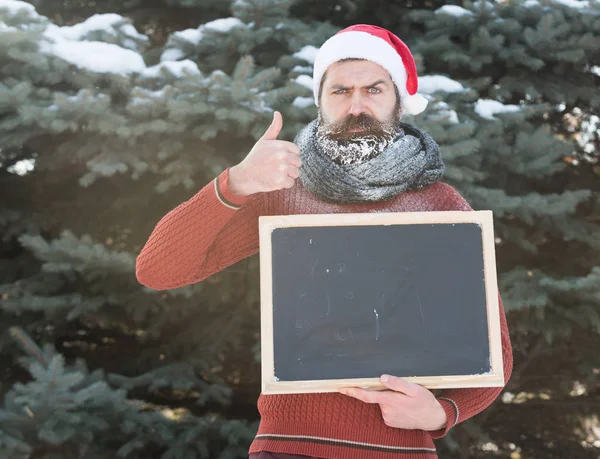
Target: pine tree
519 138
82 107
94 150
532 65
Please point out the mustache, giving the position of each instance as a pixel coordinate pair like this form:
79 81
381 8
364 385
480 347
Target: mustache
369 126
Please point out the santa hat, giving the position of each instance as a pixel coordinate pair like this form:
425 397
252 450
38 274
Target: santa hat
377 45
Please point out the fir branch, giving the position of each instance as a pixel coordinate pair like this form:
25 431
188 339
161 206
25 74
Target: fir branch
28 344
244 68
264 76
515 379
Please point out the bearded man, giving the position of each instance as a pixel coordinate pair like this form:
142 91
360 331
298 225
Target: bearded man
357 156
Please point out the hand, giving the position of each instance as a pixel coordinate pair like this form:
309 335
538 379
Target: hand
405 405
271 164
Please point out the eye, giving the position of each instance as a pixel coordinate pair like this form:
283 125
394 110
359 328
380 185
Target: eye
339 91
374 90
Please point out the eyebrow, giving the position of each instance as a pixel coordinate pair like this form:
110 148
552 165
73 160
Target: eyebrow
341 86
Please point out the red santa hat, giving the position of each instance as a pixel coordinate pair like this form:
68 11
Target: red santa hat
377 45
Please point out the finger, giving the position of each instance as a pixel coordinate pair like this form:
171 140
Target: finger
367 396
288 146
293 148
399 385
286 158
288 182
293 172
274 129
293 160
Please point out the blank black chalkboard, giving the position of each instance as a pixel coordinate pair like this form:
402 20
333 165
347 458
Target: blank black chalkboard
351 297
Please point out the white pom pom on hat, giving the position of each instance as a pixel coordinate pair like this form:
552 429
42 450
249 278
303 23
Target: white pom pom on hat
378 45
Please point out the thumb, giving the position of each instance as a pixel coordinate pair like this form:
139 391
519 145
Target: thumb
274 128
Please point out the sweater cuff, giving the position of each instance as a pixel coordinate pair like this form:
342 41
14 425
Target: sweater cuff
224 194
452 414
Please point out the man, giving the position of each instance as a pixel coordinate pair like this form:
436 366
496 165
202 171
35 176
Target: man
356 157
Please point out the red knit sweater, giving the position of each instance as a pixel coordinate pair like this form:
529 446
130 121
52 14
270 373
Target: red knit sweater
215 229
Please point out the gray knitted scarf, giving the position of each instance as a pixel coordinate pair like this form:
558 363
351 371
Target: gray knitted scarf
411 162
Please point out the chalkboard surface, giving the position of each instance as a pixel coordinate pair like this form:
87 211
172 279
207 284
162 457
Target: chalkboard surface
357 301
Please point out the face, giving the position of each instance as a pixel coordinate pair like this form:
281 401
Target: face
358 98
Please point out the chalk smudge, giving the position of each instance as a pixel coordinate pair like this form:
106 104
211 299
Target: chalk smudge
312 271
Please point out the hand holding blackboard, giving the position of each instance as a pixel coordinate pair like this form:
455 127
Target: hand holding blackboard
405 405
346 298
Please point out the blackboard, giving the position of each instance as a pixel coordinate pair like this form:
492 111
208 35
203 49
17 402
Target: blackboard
346 298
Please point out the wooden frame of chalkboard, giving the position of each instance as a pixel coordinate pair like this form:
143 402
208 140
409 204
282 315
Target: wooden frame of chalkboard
482 221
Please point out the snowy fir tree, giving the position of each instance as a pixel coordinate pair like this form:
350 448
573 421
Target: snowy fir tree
113 113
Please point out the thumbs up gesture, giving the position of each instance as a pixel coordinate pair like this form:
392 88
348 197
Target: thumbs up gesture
271 164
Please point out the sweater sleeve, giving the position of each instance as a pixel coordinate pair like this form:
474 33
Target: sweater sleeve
462 404
207 233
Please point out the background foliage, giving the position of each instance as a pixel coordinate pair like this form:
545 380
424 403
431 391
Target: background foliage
112 113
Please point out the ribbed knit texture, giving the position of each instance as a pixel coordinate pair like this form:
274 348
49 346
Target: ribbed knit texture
411 162
215 229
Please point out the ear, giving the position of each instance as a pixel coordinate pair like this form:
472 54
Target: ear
399 109
321 84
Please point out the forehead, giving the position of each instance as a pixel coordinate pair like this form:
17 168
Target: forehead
356 72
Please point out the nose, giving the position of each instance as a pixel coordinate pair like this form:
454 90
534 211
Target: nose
357 105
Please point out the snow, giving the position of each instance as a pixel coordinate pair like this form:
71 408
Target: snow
191 35
454 10
172 54
583 6
15 7
487 108
194 36
109 23
104 22
576 4
5 28
302 69
451 115
129 43
224 25
307 53
483 3
305 81
444 111
429 84
95 56
176 68
143 96
303 102
259 105
129 30
219 74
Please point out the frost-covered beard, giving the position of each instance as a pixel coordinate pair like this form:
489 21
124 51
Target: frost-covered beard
346 147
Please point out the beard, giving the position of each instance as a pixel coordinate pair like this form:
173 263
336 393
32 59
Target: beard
356 139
